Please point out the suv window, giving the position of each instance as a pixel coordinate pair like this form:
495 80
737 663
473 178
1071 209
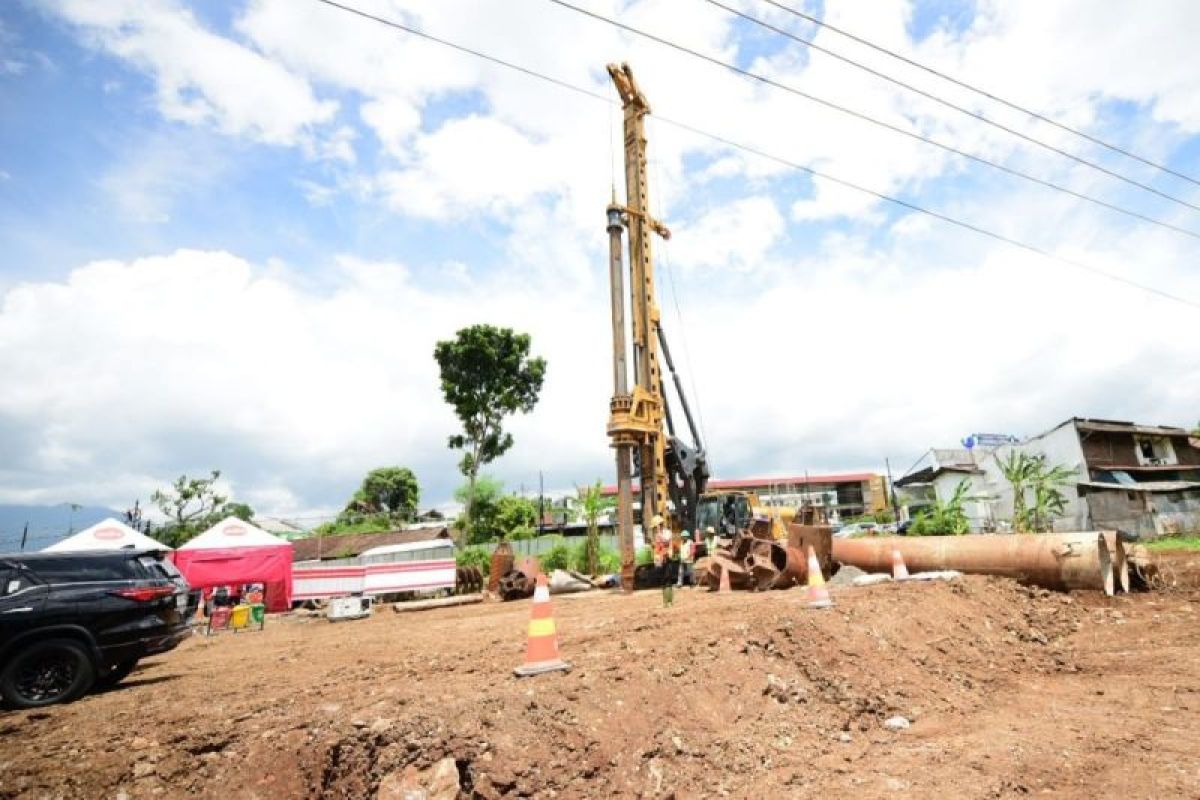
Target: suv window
13 580
158 568
80 570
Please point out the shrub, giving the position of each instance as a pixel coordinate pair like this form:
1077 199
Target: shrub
474 557
610 561
607 559
557 557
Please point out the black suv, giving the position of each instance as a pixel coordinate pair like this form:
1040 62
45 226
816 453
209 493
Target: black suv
70 622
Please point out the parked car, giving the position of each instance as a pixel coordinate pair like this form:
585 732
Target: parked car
71 622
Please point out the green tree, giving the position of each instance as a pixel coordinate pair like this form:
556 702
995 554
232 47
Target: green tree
516 517
1027 472
191 505
1049 502
391 491
239 510
593 503
946 518
487 374
1019 469
487 493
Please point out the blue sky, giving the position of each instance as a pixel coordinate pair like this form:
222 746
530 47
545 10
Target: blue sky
230 235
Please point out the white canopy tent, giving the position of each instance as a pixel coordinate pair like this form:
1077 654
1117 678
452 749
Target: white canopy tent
233 533
109 534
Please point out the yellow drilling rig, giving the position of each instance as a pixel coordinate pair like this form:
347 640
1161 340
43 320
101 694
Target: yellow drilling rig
672 471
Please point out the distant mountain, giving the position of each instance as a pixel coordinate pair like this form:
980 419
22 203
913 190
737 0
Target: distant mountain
47 524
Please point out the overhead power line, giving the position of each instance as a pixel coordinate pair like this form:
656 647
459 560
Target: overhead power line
770 157
983 93
878 122
930 96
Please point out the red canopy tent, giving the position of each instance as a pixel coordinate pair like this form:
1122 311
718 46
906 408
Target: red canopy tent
234 552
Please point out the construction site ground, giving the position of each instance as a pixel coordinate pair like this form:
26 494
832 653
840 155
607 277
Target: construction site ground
1010 692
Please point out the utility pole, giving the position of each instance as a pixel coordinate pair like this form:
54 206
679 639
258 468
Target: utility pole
891 489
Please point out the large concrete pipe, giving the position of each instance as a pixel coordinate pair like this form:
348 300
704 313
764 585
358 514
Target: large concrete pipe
1120 564
1053 561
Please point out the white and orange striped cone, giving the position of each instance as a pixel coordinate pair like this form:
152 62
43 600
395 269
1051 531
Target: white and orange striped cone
541 653
899 569
818 592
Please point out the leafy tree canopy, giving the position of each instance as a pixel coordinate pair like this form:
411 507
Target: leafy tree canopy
497 515
387 490
1025 471
487 374
487 493
192 505
387 498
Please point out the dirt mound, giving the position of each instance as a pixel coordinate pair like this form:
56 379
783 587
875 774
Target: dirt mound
731 695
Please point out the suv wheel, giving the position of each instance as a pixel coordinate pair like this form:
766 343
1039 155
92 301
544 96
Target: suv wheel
44 673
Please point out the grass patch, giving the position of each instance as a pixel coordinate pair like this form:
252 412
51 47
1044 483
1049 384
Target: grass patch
1176 543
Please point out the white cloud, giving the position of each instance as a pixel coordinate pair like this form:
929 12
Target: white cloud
144 182
470 165
861 340
296 393
736 236
202 77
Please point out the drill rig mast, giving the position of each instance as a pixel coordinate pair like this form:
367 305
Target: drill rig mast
671 473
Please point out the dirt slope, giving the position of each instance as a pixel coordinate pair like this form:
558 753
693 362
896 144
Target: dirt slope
1010 691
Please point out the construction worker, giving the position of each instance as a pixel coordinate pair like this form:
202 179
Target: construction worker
687 557
710 540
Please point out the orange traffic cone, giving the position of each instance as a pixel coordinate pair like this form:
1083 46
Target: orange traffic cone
818 592
899 570
541 654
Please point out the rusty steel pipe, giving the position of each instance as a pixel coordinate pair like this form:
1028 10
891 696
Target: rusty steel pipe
794 571
502 562
1059 561
1120 563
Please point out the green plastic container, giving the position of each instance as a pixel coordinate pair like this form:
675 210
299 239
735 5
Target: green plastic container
258 614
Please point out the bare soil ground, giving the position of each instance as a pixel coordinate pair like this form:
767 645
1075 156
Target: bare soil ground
1010 691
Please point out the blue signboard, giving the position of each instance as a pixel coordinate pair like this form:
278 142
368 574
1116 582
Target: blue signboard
988 440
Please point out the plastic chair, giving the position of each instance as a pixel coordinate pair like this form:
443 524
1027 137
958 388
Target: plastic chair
219 619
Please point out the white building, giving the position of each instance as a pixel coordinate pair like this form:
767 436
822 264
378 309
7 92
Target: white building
1144 479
